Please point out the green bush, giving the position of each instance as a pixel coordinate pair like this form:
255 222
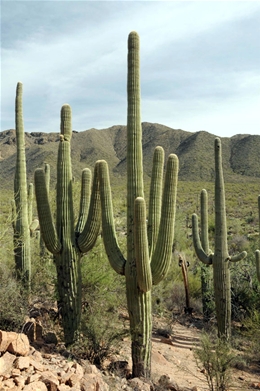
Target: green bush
216 359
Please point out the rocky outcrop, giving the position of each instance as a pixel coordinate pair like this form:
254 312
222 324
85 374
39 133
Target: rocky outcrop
23 368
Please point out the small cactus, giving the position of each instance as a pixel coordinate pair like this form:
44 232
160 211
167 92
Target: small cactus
220 259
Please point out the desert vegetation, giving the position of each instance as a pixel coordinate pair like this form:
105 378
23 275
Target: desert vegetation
72 280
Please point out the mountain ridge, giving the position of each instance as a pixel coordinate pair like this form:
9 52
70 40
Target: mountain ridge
241 160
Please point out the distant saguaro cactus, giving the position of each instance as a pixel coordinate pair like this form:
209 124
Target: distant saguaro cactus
220 259
149 244
66 243
22 205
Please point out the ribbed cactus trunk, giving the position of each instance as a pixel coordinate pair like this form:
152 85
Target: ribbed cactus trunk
149 246
139 303
22 248
221 267
220 259
65 243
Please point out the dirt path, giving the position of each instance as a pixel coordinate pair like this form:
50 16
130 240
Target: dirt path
174 356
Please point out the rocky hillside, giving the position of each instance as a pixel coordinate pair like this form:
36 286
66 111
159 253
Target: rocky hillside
195 151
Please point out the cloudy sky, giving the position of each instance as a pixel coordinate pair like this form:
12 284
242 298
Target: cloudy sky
200 63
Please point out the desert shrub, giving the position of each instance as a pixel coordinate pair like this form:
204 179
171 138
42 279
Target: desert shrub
251 331
100 336
216 359
14 301
245 289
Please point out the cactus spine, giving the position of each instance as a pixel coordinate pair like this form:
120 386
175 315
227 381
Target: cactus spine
220 259
22 249
148 254
64 242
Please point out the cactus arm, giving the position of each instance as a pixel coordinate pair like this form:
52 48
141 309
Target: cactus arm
47 227
238 257
161 257
257 257
113 251
155 202
203 257
91 230
143 270
84 200
204 221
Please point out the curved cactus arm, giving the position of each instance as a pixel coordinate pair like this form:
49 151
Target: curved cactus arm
143 270
91 230
257 257
84 200
162 255
113 251
203 257
48 230
204 221
238 257
155 200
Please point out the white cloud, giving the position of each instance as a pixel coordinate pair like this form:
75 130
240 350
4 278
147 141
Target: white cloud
199 63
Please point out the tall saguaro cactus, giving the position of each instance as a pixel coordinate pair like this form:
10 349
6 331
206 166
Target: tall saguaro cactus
66 243
220 259
22 248
148 253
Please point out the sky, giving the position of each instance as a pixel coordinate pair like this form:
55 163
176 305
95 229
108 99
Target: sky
200 63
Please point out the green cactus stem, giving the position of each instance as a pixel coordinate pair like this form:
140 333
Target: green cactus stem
22 248
66 243
205 271
149 244
220 259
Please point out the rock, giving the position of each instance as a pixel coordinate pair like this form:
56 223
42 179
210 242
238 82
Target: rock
35 386
22 363
6 363
139 384
93 382
6 338
167 382
20 345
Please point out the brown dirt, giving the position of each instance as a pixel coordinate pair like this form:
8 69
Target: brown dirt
174 356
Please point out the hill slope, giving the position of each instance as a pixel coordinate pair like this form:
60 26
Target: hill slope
241 159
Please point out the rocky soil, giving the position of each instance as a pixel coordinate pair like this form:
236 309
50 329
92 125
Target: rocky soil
41 366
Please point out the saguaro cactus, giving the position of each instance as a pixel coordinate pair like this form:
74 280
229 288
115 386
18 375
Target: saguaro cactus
220 259
148 253
22 249
205 275
66 243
